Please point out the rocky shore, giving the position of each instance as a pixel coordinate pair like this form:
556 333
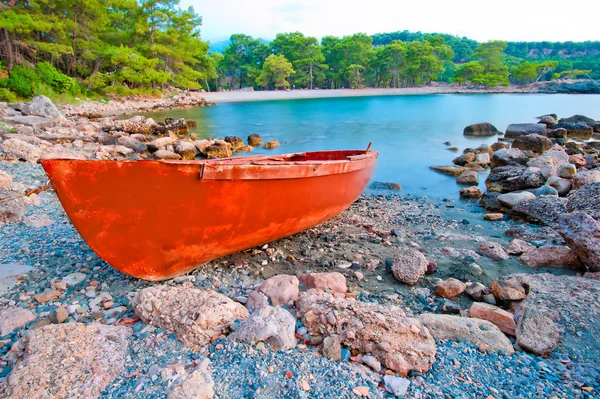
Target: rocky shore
398 296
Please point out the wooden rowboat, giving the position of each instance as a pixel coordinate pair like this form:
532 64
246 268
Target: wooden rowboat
160 219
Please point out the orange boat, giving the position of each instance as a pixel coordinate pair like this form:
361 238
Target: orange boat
160 219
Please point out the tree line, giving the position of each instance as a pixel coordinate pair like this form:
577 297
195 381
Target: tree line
68 47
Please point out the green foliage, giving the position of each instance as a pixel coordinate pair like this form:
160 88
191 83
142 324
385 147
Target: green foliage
57 80
528 71
7 95
275 72
23 81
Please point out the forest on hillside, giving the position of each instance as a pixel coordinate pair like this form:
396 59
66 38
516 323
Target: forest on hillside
121 47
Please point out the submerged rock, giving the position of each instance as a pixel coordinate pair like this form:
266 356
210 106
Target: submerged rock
255 140
271 144
193 315
400 343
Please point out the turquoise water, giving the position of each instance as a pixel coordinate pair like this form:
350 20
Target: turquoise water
408 131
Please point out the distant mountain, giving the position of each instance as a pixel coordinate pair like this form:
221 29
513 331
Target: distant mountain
219 46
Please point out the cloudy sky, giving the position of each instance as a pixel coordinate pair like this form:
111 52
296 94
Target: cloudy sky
513 20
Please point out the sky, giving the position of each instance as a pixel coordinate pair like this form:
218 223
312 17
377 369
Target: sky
482 20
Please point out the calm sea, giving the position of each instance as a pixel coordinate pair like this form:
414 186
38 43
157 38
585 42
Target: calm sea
409 131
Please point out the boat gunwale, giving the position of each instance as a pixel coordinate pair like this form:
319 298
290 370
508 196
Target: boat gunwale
259 167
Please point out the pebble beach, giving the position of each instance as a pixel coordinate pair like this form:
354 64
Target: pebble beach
398 296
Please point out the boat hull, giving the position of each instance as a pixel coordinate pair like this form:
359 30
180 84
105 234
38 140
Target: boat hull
156 220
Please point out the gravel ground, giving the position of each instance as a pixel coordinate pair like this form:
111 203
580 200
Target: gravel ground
360 238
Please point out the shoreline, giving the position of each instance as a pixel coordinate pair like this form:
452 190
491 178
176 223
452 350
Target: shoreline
245 96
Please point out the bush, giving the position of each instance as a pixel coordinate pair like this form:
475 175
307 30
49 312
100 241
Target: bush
22 81
57 80
7 95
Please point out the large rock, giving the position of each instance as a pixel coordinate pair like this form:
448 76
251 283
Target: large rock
584 177
518 247
464 159
450 288
476 331
130 142
166 155
193 315
558 307
504 320
544 210
235 141
576 129
270 145
505 179
552 256
255 140
282 289
507 291
22 150
408 265
578 119
516 130
13 318
470 177
562 186
480 129
582 234
34 122
552 157
492 250
161 143
586 200
332 281
532 142
217 151
72 360
273 325
186 149
510 200
401 343
508 156
42 106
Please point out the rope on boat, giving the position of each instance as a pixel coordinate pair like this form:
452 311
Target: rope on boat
28 193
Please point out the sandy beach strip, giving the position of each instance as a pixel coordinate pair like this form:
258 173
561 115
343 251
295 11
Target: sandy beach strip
241 95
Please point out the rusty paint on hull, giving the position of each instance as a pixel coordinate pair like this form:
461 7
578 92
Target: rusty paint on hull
156 220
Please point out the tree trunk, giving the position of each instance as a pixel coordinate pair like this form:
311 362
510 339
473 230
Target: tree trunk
9 49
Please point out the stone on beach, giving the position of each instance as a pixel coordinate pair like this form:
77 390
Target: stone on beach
508 291
11 211
493 216
586 177
408 265
366 326
273 325
397 386
508 156
186 149
193 315
509 178
42 106
586 200
235 141
473 192
22 150
552 256
199 384
567 171
492 250
452 170
450 288
504 320
532 142
518 247
476 331
543 210
281 289
469 177
332 348
517 130
511 199
5 180
218 151
581 233
12 318
562 186
164 154
333 281
70 360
